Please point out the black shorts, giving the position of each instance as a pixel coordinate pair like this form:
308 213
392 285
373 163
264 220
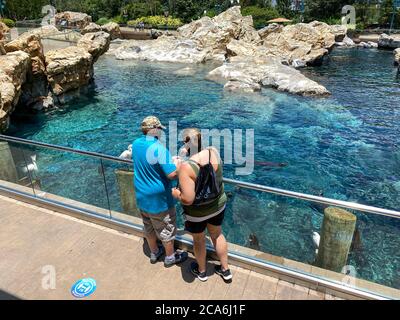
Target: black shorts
199 227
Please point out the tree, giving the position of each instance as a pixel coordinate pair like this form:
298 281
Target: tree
323 10
284 7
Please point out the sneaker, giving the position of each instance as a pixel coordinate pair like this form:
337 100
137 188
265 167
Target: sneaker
179 257
194 268
226 275
154 257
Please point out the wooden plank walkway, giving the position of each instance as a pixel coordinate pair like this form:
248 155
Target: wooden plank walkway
32 238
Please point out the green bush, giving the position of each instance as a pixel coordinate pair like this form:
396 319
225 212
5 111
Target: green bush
260 15
119 20
157 21
8 22
333 20
102 21
211 13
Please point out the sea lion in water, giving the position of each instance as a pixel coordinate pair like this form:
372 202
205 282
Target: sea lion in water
253 242
271 164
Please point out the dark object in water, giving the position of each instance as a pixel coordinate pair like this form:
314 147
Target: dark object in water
319 207
229 194
356 244
253 242
271 164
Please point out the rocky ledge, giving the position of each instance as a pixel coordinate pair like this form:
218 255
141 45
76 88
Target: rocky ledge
31 79
73 19
250 74
388 42
230 38
112 28
13 70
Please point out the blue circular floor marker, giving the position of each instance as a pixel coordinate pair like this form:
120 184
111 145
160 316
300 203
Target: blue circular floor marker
83 288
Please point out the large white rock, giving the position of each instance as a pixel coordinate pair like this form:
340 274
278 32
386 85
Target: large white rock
347 42
299 42
340 32
268 72
96 43
73 19
113 29
91 27
388 42
164 49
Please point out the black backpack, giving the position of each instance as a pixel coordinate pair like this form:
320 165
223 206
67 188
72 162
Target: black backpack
207 188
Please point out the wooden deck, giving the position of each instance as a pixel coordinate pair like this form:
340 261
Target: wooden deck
32 238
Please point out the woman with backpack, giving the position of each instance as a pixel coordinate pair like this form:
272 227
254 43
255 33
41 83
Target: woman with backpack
201 192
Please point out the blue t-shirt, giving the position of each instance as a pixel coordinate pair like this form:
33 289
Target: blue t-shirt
152 164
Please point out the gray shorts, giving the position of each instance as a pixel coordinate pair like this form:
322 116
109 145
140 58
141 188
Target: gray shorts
162 224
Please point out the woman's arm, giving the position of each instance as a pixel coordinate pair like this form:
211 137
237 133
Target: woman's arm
186 194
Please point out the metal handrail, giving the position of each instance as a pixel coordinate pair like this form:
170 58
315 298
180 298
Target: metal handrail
245 185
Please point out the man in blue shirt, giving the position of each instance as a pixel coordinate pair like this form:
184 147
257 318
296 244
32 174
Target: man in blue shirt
154 171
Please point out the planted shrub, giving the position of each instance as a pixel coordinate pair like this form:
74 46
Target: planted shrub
260 15
102 21
8 22
157 21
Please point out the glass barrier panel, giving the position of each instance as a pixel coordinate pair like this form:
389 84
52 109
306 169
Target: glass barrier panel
70 179
121 193
16 170
348 247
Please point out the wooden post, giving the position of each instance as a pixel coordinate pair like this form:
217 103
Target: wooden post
127 192
336 237
8 172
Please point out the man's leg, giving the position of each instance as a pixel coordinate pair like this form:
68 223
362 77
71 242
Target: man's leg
149 232
169 248
165 226
220 244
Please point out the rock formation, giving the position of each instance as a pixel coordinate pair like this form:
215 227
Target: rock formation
3 29
13 70
31 79
304 43
96 43
230 35
68 69
113 29
90 28
396 57
249 74
73 19
35 86
388 42
346 42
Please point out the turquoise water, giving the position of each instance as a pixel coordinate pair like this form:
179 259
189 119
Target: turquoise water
344 147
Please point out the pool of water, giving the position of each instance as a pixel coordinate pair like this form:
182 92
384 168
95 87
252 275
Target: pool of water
345 146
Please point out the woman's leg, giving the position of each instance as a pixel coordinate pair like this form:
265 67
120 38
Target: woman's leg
220 244
199 248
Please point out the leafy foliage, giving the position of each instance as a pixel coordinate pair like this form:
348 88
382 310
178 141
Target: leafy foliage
120 11
157 21
8 22
260 15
